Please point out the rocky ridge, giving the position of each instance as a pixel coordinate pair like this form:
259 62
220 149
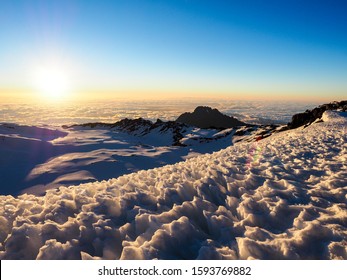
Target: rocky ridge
309 116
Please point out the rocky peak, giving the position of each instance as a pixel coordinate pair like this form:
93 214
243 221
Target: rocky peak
206 117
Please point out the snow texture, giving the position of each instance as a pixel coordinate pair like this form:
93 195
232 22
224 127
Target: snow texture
283 197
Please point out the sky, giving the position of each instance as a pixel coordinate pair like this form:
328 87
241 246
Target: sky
179 48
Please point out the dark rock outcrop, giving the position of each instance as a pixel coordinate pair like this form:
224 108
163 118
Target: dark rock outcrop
309 116
206 117
131 125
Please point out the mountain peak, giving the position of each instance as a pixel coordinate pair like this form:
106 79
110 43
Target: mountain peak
206 117
204 109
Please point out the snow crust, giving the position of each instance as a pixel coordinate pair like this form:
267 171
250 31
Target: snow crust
335 117
283 197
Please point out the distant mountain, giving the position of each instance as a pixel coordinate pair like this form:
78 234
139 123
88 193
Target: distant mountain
210 126
206 125
309 116
206 117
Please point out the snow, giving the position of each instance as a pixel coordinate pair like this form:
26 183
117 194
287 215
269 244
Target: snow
283 197
334 116
34 159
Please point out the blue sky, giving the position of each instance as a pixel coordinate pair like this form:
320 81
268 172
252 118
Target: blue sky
240 49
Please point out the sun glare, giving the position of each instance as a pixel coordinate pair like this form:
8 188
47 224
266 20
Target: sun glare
52 82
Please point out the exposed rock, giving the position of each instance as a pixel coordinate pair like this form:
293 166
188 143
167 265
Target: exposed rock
131 125
309 116
206 117
141 127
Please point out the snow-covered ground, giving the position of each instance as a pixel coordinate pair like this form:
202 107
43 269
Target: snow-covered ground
283 197
34 159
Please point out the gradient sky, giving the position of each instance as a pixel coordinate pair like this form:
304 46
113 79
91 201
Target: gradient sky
239 49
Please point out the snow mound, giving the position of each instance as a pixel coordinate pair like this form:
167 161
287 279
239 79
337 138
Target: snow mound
283 197
334 117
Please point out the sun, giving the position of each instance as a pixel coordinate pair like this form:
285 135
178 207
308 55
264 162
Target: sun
52 82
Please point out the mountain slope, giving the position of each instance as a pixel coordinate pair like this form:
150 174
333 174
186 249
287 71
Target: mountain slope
283 197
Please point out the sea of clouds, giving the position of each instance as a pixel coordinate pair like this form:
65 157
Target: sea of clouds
259 112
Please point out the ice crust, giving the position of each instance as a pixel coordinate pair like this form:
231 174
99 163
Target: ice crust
283 197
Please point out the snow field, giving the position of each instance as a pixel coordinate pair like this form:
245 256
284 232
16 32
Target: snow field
284 197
